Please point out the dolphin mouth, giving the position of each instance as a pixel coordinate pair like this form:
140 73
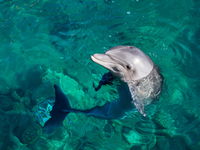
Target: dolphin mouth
105 61
96 57
102 59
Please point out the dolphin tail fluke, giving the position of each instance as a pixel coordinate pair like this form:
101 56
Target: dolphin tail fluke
57 113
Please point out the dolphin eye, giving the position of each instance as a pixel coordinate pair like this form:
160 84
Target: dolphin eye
115 69
128 67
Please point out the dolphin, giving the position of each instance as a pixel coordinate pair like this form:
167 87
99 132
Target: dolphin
133 67
139 81
110 110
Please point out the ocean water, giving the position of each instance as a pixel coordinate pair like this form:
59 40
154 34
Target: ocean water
46 42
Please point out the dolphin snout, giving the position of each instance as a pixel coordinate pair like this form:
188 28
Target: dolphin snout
97 56
100 58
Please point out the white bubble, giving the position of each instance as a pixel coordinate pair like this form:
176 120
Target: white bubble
128 12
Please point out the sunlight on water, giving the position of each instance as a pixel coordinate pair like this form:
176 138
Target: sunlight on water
44 42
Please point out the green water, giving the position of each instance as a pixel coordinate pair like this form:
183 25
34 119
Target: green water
46 41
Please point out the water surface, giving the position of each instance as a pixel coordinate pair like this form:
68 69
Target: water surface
45 42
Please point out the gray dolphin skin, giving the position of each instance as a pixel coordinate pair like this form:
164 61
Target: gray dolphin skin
133 67
139 84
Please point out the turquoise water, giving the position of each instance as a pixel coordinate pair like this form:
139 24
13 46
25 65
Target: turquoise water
45 42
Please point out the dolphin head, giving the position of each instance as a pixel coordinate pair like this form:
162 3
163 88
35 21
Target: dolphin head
127 62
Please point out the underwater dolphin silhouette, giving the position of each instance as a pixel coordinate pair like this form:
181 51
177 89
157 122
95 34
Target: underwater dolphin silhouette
110 110
139 80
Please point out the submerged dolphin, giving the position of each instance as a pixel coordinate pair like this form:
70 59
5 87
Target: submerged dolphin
110 110
139 84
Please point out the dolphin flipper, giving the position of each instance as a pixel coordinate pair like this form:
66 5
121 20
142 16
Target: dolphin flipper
107 78
57 115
